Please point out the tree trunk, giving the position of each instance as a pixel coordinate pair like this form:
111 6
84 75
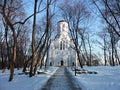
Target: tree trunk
38 60
105 56
90 58
78 54
33 40
105 51
11 71
113 47
46 59
12 64
117 57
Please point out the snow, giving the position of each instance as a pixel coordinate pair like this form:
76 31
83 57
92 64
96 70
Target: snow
60 81
24 82
108 78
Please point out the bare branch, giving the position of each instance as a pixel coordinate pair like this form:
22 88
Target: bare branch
28 17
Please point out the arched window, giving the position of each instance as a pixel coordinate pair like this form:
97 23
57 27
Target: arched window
63 27
66 44
63 45
60 45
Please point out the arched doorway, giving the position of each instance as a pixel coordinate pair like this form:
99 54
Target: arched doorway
62 63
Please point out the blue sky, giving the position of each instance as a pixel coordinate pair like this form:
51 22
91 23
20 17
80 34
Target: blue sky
95 25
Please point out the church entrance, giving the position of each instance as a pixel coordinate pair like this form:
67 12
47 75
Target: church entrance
62 63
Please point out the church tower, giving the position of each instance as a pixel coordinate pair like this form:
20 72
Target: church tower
64 39
60 52
63 28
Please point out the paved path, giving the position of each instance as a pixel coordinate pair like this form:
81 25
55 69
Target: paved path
60 81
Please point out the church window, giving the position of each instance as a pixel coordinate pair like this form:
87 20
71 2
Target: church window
64 45
63 27
61 45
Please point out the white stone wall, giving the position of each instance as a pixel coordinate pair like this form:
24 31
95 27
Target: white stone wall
66 54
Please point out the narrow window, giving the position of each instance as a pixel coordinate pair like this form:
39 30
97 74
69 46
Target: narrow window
63 27
61 45
64 45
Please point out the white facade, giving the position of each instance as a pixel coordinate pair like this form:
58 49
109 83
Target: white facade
60 52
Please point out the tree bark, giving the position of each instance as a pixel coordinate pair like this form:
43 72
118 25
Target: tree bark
14 57
8 22
78 54
33 40
105 51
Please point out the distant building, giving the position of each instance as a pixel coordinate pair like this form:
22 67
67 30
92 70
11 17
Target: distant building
60 52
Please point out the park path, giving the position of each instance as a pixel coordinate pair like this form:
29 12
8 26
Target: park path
60 80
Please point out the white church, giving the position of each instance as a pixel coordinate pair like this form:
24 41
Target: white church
60 51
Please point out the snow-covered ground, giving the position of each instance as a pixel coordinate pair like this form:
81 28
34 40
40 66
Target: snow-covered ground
23 82
108 78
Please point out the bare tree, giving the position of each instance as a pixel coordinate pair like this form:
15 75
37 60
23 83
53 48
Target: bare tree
103 43
75 14
114 40
22 43
45 39
33 39
90 50
12 8
110 11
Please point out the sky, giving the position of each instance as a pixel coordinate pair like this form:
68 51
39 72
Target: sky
95 25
